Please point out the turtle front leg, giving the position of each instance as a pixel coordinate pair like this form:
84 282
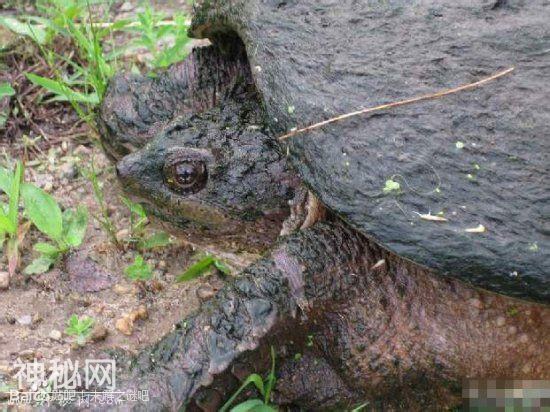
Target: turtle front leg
136 108
381 328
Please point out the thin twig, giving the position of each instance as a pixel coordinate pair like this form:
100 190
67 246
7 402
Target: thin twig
397 104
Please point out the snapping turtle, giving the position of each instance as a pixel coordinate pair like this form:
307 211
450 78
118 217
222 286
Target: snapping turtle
377 295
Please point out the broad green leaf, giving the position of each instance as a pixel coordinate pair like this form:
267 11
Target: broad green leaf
6 225
196 270
35 32
43 211
253 378
47 249
75 226
39 265
263 408
6 90
247 406
159 239
62 91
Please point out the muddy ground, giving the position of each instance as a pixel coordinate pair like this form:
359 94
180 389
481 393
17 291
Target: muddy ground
34 310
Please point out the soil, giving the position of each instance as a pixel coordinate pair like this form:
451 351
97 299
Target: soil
90 281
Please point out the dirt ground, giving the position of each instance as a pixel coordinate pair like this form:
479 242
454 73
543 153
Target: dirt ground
90 281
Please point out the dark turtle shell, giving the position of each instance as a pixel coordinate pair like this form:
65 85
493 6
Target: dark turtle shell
459 184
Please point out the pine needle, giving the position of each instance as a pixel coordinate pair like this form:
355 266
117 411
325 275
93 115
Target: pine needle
399 103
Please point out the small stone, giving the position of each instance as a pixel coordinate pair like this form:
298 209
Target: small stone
205 292
512 330
99 333
125 325
501 321
25 320
526 368
68 171
121 289
162 264
4 280
524 338
139 314
122 234
27 354
476 303
55 335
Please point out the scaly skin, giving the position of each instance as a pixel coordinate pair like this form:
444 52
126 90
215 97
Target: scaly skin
374 330
379 325
136 108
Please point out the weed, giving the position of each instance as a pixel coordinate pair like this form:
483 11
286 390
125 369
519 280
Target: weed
138 223
103 219
11 231
201 267
79 328
153 30
265 387
82 80
66 229
139 270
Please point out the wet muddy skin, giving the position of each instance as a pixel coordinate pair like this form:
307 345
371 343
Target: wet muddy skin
197 145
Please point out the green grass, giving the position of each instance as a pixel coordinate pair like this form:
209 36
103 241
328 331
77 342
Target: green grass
81 79
80 328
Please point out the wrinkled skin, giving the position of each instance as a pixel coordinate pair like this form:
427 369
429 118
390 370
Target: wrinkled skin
370 325
238 183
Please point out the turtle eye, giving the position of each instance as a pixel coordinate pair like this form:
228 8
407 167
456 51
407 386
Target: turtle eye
185 176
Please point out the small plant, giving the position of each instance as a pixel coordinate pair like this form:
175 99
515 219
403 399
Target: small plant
11 231
103 219
153 30
5 91
139 270
138 223
79 328
67 230
265 387
82 79
201 267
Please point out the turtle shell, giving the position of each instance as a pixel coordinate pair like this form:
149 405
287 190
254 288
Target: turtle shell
459 184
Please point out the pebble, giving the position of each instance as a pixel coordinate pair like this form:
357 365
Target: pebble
524 338
28 355
512 330
140 313
501 321
121 289
4 280
99 333
125 325
162 264
25 320
476 303
68 171
55 335
205 292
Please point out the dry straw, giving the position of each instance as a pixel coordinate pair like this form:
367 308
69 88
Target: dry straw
397 104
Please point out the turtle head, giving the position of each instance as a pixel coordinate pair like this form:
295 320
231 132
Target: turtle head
213 178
